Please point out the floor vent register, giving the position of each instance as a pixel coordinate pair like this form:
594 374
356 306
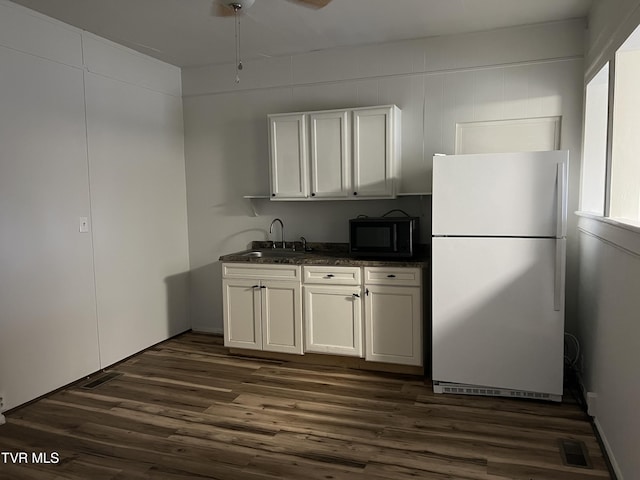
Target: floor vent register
102 379
574 454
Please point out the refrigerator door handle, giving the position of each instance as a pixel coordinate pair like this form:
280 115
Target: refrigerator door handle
560 272
561 200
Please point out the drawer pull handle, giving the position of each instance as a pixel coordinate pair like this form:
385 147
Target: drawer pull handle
330 275
367 292
391 275
255 286
356 295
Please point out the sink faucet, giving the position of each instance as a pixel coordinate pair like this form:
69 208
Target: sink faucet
281 230
304 244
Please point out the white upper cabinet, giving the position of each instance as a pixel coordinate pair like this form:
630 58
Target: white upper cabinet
375 151
330 154
350 153
288 154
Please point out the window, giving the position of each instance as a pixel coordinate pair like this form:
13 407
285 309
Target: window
594 162
625 153
615 194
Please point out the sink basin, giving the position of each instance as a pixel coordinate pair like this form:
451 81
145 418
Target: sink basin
272 253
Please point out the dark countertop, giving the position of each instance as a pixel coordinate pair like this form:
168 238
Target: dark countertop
325 254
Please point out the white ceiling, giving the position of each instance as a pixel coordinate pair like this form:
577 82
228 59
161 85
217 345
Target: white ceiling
186 33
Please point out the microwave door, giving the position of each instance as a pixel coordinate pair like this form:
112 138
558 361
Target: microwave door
377 237
373 238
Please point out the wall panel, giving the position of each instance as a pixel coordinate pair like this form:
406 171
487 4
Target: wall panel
48 330
138 203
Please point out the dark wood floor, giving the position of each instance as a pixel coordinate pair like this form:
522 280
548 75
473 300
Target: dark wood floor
186 409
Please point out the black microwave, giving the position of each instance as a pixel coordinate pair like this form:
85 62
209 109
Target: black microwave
383 236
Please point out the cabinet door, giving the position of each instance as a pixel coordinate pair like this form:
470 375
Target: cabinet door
281 317
241 313
393 324
333 319
373 152
288 155
330 159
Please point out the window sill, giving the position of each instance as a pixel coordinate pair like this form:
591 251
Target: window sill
623 235
618 222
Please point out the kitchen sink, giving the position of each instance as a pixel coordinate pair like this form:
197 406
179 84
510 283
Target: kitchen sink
272 253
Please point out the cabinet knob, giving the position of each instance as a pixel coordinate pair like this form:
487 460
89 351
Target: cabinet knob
262 286
355 193
313 194
273 194
366 292
356 295
255 286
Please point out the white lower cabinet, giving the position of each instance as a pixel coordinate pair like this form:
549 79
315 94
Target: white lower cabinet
381 322
262 307
333 310
242 313
333 319
393 315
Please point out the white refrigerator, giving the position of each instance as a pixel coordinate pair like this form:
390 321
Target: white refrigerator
498 273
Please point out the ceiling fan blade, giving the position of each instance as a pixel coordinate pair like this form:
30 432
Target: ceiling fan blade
316 4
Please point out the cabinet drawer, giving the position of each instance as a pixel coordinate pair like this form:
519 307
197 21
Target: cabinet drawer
329 275
261 272
407 276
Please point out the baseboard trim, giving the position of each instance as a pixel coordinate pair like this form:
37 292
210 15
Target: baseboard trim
214 331
331 360
610 458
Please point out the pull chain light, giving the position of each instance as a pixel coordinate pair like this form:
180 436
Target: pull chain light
236 8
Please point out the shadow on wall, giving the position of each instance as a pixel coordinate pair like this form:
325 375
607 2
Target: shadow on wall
205 297
234 207
230 243
177 307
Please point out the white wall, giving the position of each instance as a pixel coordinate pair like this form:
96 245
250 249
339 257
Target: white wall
610 23
48 330
113 153
505 74
609 283
610 336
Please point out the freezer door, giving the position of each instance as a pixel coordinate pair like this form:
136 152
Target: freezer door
505 194
494 317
